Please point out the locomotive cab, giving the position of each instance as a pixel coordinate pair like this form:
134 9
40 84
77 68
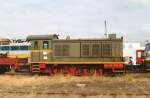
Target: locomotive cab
146 57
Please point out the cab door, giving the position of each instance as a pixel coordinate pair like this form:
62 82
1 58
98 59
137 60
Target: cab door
45 51
35 53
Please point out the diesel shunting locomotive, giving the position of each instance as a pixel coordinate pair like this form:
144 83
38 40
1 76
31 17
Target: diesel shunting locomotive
51 55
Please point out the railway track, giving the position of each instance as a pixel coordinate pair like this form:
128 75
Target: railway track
29 74
101 95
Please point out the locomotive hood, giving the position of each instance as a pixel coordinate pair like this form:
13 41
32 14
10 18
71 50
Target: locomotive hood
42 37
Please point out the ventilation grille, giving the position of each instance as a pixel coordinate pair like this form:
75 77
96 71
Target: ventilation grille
85 50
61 50
95 50
107 52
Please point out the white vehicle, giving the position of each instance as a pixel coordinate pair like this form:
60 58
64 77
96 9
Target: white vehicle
16 50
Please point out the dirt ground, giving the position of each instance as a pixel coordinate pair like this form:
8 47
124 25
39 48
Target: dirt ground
32 85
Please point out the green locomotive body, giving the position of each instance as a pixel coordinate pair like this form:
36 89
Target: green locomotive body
52 55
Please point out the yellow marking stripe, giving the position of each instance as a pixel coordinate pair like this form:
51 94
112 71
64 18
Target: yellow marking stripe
41 50
147 59
147 52
80 62
19 55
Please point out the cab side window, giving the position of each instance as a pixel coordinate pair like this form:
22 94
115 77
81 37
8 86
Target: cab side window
24 48
45 44
14 48
35 44
4 48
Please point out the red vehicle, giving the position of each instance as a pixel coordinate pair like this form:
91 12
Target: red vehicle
6 64
14 56
139 58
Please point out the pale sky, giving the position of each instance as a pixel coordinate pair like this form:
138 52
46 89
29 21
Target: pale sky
76 18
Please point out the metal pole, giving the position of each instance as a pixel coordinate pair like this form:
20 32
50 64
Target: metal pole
105 29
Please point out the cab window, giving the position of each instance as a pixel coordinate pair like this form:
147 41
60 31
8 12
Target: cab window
14 47
45 44
5 48
147 47
23 47
29 47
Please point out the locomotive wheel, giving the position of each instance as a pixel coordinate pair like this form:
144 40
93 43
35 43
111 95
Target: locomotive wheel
72 70
78 71
55 70
49 71
64 70
85 71
98 72
92 71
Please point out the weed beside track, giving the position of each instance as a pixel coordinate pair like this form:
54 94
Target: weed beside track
20 85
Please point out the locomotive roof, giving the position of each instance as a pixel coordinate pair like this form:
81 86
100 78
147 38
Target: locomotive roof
88 39
42 37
